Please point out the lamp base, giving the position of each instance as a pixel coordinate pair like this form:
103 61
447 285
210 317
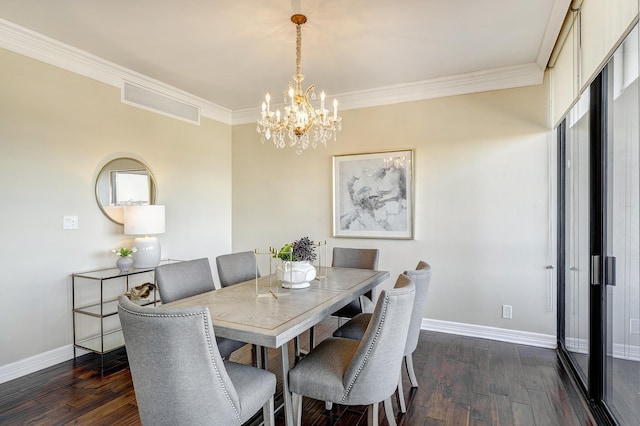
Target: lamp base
148 252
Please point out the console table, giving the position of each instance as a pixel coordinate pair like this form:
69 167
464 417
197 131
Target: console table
96 326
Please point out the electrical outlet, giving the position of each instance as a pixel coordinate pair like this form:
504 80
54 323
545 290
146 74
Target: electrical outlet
634 326
507 311
70 222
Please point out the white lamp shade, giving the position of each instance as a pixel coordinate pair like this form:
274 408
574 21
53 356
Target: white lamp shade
144 220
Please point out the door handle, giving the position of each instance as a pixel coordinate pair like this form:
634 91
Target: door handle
595 269
610 270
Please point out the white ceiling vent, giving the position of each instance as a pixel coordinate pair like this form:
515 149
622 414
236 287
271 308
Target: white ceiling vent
133 94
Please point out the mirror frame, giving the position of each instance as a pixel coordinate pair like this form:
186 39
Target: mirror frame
104 183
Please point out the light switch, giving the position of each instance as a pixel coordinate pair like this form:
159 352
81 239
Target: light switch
70 222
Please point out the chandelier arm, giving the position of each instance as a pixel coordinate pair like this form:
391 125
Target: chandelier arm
306 101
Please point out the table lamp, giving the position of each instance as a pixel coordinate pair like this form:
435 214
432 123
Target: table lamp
145 220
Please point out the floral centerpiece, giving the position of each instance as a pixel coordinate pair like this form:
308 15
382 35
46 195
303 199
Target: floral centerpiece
125 261
297 269
297 251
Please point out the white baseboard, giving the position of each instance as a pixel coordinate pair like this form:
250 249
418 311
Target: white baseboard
491 333
65 353
620 351
37 363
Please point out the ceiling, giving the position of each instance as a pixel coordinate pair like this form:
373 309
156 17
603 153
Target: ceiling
230 53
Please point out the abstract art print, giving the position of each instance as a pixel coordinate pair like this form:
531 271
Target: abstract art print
373 195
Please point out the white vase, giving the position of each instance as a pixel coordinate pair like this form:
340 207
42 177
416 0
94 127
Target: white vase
297 274
124 263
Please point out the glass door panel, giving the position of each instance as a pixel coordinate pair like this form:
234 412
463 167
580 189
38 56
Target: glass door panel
622 359
577 236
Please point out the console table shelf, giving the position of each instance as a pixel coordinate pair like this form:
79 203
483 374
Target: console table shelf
96 326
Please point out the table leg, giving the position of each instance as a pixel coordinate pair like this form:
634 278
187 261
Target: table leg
286 394
312 337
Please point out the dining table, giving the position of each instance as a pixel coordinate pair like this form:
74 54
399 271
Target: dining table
241 312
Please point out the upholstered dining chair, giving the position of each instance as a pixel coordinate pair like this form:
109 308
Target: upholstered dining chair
356 327
234 268
357 258
359 372
179 376
179 280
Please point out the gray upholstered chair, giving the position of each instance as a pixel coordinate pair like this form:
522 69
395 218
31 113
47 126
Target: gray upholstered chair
235 268
359 259
179 376
359 372
355 328
179 280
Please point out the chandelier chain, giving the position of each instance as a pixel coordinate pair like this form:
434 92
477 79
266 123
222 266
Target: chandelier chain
298 50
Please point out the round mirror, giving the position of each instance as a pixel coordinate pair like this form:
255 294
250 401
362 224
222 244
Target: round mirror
124 182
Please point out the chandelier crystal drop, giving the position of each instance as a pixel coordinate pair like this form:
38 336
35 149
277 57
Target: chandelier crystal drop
299 118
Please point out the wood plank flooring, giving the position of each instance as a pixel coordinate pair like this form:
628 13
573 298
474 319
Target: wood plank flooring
463 381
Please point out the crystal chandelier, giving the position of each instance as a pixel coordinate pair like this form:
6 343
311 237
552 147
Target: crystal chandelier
299 117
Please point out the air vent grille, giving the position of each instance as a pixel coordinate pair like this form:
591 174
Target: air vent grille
142 97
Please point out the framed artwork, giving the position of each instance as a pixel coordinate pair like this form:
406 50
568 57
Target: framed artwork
373 195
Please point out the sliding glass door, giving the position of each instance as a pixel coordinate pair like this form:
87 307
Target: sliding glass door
599 238
622 360
576 238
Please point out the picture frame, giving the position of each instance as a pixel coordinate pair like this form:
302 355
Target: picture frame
373 195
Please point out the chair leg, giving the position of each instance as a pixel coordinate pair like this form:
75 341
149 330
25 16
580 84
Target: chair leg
408 360
296 345
372 415
297 408
388 411
268 413
401 403
328 405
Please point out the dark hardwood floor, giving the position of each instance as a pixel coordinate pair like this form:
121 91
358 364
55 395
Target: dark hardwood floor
463 381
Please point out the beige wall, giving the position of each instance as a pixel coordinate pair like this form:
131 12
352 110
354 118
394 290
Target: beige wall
57 129
481 200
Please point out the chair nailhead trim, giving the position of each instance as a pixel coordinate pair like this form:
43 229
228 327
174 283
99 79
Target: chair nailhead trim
369 350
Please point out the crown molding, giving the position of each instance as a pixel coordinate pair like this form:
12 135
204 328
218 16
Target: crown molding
40 47
460 84
554 25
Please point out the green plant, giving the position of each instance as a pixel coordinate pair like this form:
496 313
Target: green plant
302 249
124 252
